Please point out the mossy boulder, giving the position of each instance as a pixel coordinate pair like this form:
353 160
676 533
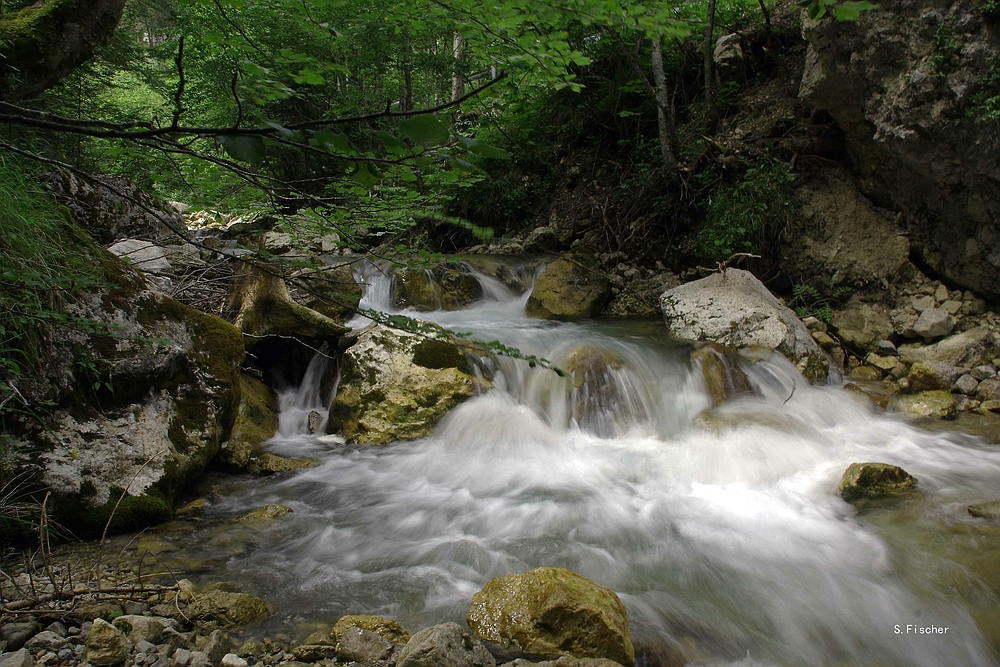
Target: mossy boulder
397 385
265 514
106 645
551 612
931 375
444 645
445 286
256 422
331 291
937 404
380 625
272 464
569 288
734 309
874 480
721 370
599 390
223 610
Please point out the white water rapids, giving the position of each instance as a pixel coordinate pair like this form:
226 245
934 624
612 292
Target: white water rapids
725 538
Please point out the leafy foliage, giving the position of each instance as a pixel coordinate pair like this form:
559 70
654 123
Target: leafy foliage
811 302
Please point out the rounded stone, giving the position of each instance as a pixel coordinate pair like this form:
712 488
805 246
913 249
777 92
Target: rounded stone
874 480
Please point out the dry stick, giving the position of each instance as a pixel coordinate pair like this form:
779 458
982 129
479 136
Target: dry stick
125 493
29 603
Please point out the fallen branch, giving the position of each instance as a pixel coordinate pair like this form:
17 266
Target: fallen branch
28 603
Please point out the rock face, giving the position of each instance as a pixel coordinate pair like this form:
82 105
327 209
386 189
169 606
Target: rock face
569 288
397 385
862 325
734 309
331 291
910 108
445 645
445 286
723 377
256 422
874 480
141 413
551 612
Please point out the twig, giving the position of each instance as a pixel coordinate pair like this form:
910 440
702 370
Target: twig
28 603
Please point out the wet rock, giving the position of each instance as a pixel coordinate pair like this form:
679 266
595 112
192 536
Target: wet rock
542 239
143 628
975 347
446 286
357 645
265 514
874 480
272 464
736 310
314 652
249 648
315 421
990 510
571 287
552 612
394 386
256 421
216 646
225 610
965 385
106 645
723 377
984 373
565 661
886 348
888 364
19 658
445 645
862 325
929 375
16 634
233 660
641 298
385 627
938 404
988 390
934 323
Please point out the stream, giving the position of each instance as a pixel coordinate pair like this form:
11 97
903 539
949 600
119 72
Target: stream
723 534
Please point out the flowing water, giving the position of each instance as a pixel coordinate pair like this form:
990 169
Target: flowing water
723 534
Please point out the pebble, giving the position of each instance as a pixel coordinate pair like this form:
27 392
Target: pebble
198 659
965 385
233 660
144 646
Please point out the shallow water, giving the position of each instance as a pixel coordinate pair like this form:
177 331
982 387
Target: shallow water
723 535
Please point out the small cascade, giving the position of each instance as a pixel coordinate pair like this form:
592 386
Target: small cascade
304 410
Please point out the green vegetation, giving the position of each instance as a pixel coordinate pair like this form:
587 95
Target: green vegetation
810 301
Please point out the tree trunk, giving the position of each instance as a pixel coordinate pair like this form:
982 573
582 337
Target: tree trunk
41 44
711 114
669 142
407 76
457 82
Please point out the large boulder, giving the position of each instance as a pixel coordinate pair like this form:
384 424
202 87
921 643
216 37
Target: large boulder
571 287
106 645
256 422
551 612
138 413
734 309
934 404
445 645
397 385
874 480
912 111
218 609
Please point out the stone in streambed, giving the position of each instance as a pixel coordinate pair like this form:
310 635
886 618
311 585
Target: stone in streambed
934 323
874 480
20 658
552 612
930 375
385 627
265 514
106 645
937 404
272 464
359 645
445 645
723 377
990 510
228 611
16 634
570 288
143 628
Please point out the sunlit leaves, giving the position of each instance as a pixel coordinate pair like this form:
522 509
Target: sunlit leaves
424 130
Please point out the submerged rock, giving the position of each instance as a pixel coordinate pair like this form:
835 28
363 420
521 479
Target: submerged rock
271 464
265 514
571 287
397 385
990 510
874 480
936 404
358 645
734 309
551 612
723 377
445 645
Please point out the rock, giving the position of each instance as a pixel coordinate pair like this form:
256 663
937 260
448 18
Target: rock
886 348
571 287
903 320
264 514
249 648
261 306
861 325
181 657
885 364
934 323
984 373
216 646
256 422
874 480
941 293
552 612
723 377
922 303
988 390
90 611
45 641
314 421
225 610
106 645
445 645
385 627
928 375
330 291
965 385
16 634
542 239
990 510
143 255
968 349
445 286
939 404
736 310
58 628
914 135
641 298
824 340
271 464
233 660
141 628
277 243
566 661
356 645
953 308
199 659
396 385
728 57
19 658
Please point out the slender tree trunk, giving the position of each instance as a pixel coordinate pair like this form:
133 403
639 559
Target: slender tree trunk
457 82
669 142
407 77
767 20
710 112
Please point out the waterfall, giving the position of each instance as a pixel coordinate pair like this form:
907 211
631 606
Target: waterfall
303 411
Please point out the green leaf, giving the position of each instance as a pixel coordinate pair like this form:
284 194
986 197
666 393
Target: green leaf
393 144
282 130
424 130
367 175
465 165
485 150
309 76
243 147
851 10
333 141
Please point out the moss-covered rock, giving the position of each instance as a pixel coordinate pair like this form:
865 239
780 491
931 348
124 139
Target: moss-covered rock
217 609
571 287
256 422
551 612
874 480
272 464
445 286
106 645
938 404
265 514
386 395
723 377
380 625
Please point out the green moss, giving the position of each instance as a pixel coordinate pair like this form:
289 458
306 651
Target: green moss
132 514
440 354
